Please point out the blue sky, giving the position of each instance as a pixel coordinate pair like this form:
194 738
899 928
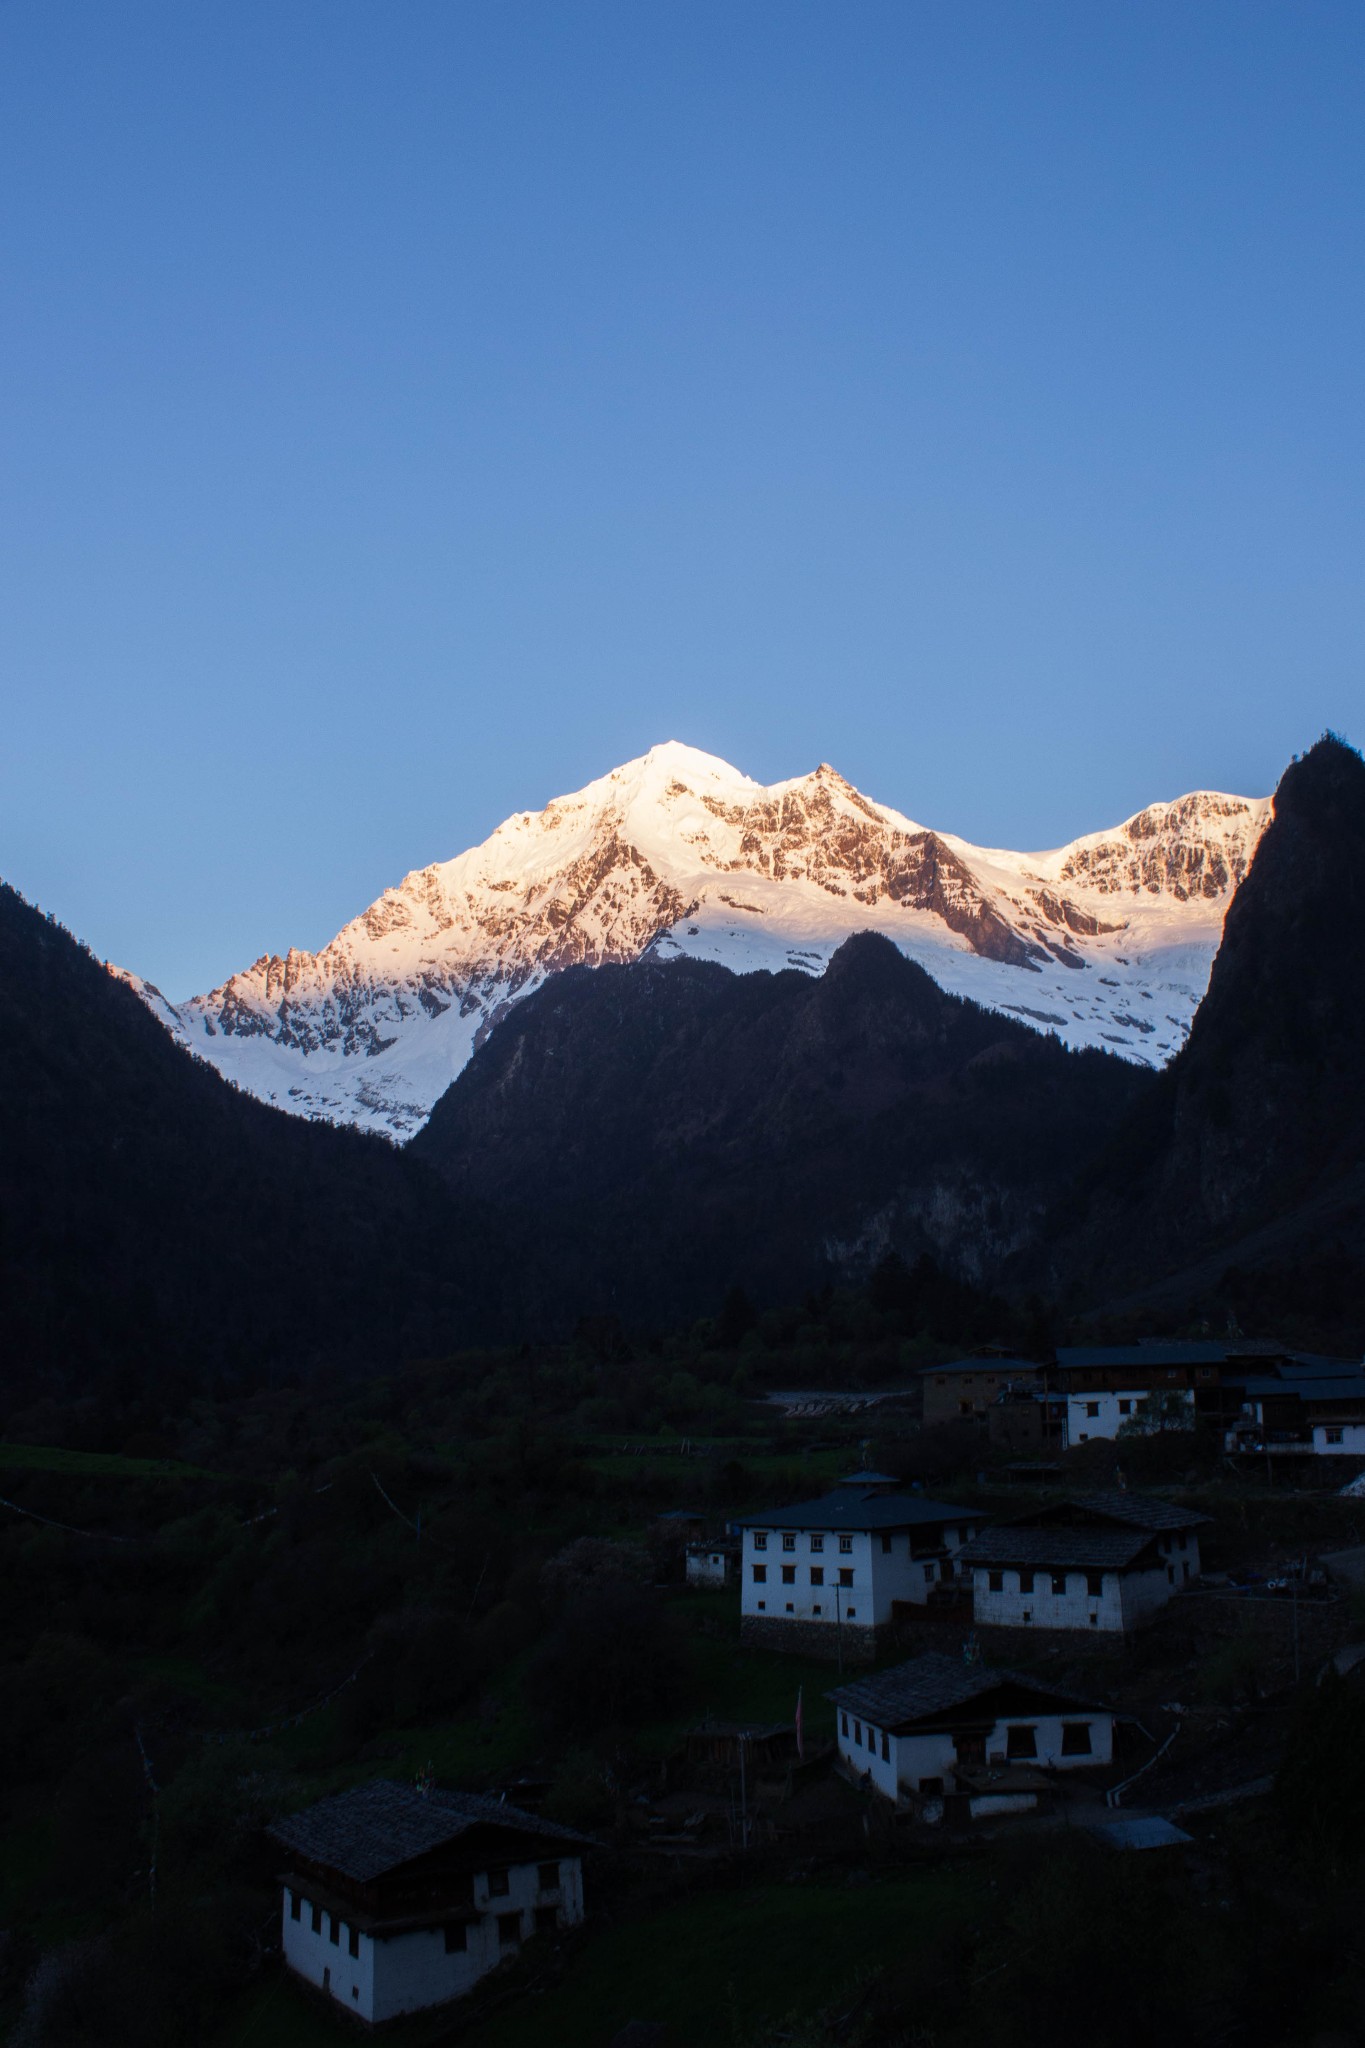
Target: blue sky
409 411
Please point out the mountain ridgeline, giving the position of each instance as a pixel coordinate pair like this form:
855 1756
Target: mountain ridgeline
637 1137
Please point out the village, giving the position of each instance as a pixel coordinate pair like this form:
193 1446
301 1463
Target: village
1149 1552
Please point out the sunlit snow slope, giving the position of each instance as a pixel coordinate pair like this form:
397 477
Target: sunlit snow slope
1106 942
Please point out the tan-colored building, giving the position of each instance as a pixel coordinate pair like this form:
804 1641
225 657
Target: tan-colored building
965 1390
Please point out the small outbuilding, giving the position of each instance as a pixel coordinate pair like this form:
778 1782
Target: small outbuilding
713 1564
939 1727
395 1899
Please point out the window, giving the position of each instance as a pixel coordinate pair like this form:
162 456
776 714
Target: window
964 1407
1026 1582
858 1733
761 1605
930 1570
791 1607
457 1937
886 1747
1084 1438
1020 1741
817 1542
843 1721
846 1545
1094 1584
760 1574
1076 1738
1125 1407
1092 1409
1185 1568
547 1919
845 1575
996 1581
317 1919
1094 1621
1170 1575
1059 1585
931 1788
789 1543
789 1574
335 1935
760 1539
509 1930
353 1941
499 1884
295 1905
852 1613
817 1609
547 1877
817 1575
1336 1436
886 1546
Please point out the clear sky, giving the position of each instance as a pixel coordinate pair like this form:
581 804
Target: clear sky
411 409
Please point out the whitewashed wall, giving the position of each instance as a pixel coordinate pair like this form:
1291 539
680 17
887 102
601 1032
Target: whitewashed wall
933 1755
1082 1427
1352 1444
406 1972
880 1577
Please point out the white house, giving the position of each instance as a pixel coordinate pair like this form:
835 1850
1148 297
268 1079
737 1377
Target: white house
396 1899
827 1574
712 1564
939 1726
1106 1561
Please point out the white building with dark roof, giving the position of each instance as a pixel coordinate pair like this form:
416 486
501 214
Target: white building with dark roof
395 1899
938 1726
827 1574
1105 1561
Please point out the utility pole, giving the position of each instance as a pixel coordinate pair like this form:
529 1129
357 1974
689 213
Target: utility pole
838 1628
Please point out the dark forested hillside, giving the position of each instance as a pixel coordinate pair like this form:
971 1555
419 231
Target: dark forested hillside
1239 1179
152 1216
646 1134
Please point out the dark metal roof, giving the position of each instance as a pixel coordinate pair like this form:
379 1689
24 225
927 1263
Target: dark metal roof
1344 1386
378 1827
867 1479
1197 1352
930 1685
1050 1545
1141 1510
849 1509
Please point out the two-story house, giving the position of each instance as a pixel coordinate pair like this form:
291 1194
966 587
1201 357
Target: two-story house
1106 1561
937 1725
395 1899
825 1575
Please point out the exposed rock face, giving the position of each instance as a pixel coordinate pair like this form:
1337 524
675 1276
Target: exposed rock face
678 855
1259 1125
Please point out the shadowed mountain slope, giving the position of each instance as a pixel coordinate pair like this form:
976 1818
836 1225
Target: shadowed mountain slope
647 1133
1251 1146
152 1214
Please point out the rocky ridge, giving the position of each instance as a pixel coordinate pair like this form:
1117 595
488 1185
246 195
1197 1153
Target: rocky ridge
1105 942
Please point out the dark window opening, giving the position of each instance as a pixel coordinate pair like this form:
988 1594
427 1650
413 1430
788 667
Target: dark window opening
760 1574
295 1906
789 1574
996 1581
335 1936
499 1884
1026 1582
353 1940
1076 1738
509 1929
317 1919
1094 1584
886 1747
548 1877
1021 1741
457 1937
845 1575
817 1575
1059 1585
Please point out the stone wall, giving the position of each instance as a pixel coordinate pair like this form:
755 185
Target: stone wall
810 1638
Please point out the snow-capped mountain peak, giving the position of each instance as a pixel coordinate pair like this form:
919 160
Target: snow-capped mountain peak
1106 941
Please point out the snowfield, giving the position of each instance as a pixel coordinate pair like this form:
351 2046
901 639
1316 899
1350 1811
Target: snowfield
1107 941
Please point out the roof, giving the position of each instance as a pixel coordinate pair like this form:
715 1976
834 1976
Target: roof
1047 1545
377 1827
1142 1510
1342 1386
930 1685
1079 1356
1137 1831
868 1479
848 1508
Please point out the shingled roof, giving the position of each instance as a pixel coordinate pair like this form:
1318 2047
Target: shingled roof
1142 1511
376 1828
848 1508
1059 1546
932 1684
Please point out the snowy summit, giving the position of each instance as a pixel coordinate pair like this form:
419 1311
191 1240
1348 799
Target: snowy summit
1106 942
